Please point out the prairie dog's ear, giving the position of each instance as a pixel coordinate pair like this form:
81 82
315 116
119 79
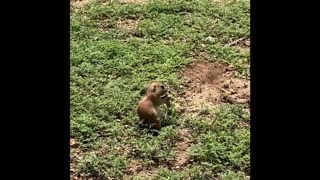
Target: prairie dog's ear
152 86
149 88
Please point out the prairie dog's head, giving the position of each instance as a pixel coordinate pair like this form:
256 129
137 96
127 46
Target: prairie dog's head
157 89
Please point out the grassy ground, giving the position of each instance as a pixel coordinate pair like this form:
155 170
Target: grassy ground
117 48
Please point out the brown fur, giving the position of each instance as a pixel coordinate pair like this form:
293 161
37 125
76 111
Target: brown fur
148 108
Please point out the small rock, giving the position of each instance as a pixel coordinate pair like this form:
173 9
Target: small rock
210 39
247 42
73 143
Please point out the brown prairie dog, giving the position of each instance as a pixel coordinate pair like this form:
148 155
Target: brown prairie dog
148 108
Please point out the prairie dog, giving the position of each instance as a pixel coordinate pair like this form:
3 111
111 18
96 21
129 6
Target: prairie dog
148 108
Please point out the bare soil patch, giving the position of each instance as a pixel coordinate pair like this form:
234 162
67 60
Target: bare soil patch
134 166
182 145
79 3
133 1
245 43
75 157
142 174
128 24
212 84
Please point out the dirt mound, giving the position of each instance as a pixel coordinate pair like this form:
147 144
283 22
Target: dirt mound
211 84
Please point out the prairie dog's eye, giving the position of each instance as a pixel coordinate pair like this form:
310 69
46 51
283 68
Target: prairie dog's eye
162 86
154 88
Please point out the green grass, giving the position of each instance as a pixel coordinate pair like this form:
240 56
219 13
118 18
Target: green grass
110 68
225 145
